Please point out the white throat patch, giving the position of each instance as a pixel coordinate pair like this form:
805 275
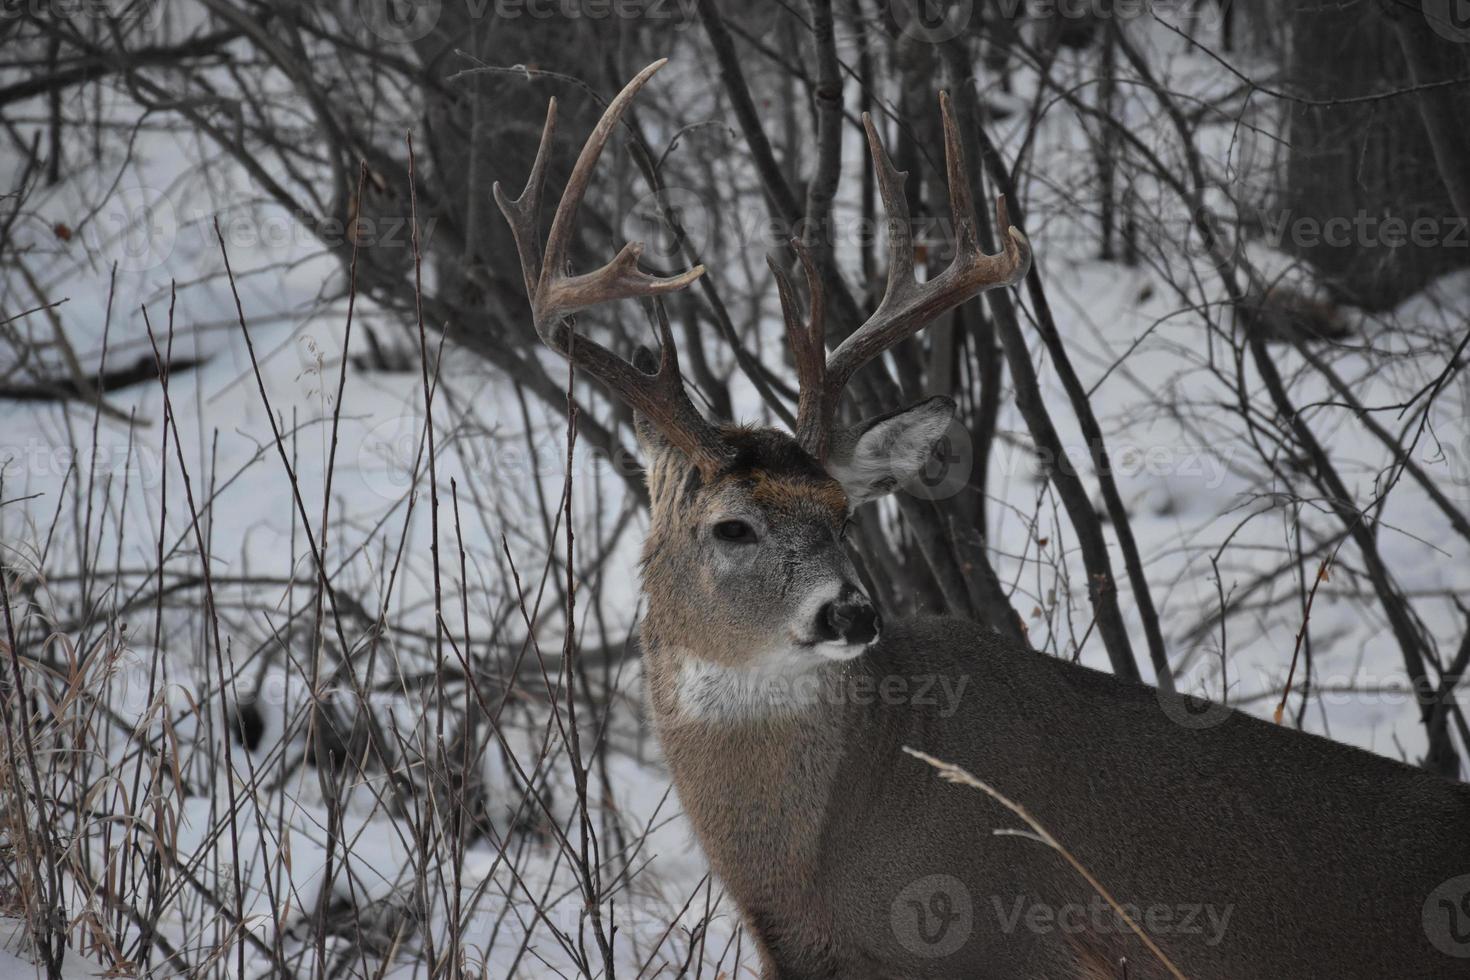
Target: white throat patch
780 683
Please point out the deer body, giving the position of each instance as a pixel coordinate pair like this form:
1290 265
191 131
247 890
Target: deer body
1245 850
1249 851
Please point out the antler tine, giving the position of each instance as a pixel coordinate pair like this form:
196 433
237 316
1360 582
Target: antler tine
620 278
521 213
807 340
555 295
896 207
961 204
907 305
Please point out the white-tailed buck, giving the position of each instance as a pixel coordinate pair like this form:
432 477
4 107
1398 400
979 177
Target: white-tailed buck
1245 850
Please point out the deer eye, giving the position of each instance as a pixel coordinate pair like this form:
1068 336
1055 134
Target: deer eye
735 532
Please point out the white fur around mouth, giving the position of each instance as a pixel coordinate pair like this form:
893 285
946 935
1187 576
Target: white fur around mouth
840 652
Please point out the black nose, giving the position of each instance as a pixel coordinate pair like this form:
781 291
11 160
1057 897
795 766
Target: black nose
850 618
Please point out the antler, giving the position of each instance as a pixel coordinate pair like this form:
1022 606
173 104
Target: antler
556 294
908 306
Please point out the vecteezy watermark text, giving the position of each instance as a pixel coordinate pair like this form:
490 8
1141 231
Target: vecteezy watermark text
1096 916
1364 230
141 464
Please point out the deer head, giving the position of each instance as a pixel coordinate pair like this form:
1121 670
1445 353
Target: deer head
745 565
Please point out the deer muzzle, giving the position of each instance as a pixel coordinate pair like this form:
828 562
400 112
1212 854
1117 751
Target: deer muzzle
850 619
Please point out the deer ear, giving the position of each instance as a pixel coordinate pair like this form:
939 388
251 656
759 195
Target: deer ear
873 457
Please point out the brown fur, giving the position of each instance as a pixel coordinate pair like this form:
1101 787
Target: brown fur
767 476
784 495
1114 957
741 812
817 822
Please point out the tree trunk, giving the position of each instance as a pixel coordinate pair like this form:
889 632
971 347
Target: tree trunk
1365 203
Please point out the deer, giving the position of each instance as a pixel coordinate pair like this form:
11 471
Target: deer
783 700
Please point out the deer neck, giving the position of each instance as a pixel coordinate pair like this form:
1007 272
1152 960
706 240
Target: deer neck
756 753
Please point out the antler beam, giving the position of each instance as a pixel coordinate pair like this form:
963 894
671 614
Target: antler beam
907 306
557 295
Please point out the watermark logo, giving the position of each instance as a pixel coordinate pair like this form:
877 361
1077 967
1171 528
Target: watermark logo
798 683
659 219
1209 15
933 916
139 464
1363 230
1454 452
675 14
147 14
132 685
931 21
283 231
948 468
389 453
1210 237
1096 917
1449 19
136 227
1447 917
1188 711
937 21
400 21
1206 465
